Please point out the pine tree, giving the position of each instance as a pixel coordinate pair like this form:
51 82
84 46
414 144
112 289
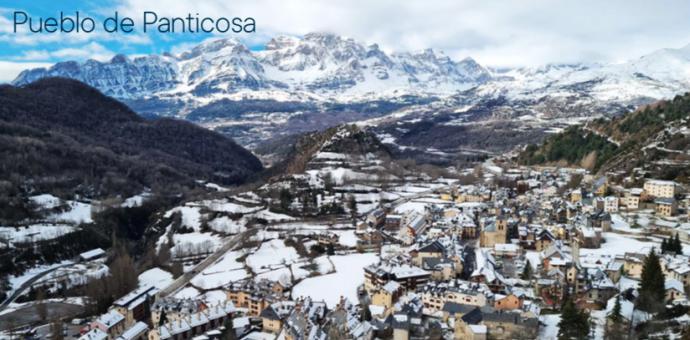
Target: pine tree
615 315
328 182
365 312
527 271
574 324
678 245
664 246
41 307
123 273
228 332
163 319
615 327
352 206
56 330
652 289
285 199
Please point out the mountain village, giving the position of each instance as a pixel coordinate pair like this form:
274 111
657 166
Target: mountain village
354 248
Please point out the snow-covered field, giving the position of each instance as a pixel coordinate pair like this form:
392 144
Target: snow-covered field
619 223
618 244
226 270
59 218
270 254
136 200
35 232
214 297
74 212
348 239
228 207
205 223
156 277
195 243
282 275
187 293
190 216
409 207
550 329
226 225
344 282
73 275
77 212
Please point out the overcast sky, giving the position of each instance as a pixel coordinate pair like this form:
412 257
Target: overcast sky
495 33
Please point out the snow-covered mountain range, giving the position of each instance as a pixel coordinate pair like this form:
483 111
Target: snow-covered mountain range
322 66
312 82
317 65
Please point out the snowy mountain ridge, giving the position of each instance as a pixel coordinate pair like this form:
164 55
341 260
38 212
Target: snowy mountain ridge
328 67
323 65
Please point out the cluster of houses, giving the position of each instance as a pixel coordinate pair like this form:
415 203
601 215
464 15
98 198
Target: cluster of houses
139 315
481 261
465 260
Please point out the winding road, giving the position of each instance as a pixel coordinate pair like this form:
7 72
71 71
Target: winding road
26 285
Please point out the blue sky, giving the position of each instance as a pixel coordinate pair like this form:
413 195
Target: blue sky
494 32
28 48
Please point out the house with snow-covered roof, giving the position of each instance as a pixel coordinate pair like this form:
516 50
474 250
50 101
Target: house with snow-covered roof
386 296
345 319
272 316
507 302
416 224
661 189
494 231
138 331
436 295
172 308
666 207
195 324
674 290
111 323
95 334
495 324
598 289
588 236
507 250
407 275
600 186
676 267
136 305
631 198
633 263
254 295
556 256
91 254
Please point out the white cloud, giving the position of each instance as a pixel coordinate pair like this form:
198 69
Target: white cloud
24 36
182 47
502 33
91 50
9 70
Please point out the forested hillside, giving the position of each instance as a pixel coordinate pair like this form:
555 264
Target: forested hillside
63 137
655 138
